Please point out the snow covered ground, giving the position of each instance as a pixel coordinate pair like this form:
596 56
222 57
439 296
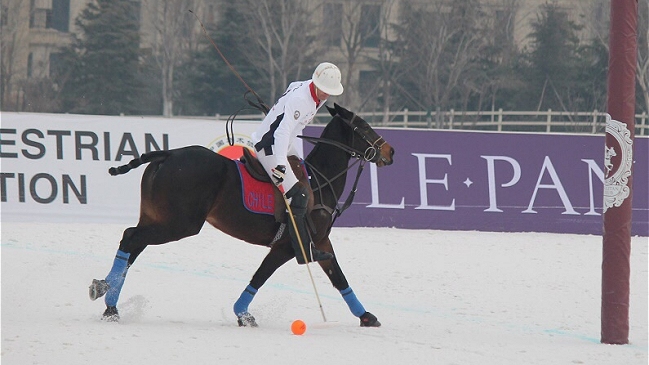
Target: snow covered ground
442 297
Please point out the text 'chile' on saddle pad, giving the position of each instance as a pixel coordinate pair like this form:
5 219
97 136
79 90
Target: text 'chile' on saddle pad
257 195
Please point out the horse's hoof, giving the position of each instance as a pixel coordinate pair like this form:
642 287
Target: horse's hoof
97 289
369 320
110 315
246 319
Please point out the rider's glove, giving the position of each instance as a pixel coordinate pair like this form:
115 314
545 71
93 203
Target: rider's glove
278 174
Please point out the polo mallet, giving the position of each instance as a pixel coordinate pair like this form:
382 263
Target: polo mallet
299 240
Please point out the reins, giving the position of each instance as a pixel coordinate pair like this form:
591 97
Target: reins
337 210
352 151
368 155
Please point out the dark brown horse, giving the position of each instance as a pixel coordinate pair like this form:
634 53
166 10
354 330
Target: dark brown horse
183 188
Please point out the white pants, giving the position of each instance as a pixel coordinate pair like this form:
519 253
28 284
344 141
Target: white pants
270 162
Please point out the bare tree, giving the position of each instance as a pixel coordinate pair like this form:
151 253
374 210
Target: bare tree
500 51
597 15
353 43
280 39
385 62
173 30
440 43
15 36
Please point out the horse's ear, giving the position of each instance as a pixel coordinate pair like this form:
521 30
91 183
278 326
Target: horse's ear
341 111
331 110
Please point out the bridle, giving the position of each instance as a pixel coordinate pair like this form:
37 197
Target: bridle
374 147
368 155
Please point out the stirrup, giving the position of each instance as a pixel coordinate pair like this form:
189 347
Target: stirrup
97 289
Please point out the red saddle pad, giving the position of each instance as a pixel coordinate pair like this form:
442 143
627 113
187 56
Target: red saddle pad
258 196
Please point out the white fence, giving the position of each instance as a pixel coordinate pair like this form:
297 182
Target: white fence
498 120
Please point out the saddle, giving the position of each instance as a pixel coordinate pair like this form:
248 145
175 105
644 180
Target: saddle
256 170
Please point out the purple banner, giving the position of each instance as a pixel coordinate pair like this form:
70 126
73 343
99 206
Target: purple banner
509 182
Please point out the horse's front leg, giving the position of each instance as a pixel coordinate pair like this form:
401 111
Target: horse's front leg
280 254
335 274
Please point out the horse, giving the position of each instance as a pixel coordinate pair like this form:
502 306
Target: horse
183 188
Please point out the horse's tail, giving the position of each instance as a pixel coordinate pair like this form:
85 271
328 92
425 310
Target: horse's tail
136 162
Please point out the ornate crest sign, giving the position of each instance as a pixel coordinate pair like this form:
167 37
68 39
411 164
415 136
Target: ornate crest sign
618 159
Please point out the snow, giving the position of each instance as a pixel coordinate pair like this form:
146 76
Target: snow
442 297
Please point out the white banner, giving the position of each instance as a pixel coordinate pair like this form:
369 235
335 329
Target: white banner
54 167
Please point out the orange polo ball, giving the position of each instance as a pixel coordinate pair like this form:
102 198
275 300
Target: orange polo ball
298 327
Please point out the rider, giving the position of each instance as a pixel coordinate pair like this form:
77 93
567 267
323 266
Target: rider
276 138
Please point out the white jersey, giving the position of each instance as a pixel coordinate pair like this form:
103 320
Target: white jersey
277 134
276 138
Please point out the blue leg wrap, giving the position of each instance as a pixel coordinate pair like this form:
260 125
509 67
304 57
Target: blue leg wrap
241 305
115 278
352 302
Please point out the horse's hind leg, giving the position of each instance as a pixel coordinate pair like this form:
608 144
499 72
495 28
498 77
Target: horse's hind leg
133 242
111 286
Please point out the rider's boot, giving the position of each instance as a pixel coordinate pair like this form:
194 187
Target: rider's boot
299 199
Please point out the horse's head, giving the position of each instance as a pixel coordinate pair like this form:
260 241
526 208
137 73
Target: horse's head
375 148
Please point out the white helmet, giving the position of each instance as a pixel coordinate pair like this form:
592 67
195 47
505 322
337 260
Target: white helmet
326 77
